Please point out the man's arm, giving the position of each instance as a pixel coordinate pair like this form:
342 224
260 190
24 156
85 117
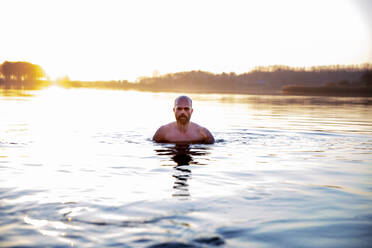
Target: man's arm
159 135
208 137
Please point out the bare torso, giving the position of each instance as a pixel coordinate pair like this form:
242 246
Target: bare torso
192 133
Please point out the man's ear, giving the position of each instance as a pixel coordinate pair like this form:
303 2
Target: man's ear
192 110
174 110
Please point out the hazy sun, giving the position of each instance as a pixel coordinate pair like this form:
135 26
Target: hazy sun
112 40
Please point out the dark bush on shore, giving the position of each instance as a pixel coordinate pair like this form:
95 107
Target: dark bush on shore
363 87
22 75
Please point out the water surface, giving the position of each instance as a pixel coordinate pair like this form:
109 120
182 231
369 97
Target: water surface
78 168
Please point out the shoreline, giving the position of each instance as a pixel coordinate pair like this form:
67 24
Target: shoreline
323 91
330 91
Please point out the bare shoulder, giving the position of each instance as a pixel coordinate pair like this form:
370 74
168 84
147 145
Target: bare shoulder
205 133
196 126
160 133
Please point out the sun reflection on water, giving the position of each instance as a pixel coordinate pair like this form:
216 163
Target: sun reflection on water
79 167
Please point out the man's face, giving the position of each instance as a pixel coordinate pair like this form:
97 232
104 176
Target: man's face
182 111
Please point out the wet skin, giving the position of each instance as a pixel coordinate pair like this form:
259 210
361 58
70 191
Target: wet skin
182 131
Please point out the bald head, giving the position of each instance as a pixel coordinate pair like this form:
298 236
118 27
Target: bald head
183 109
183 99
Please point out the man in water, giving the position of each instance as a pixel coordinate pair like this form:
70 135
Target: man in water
182 130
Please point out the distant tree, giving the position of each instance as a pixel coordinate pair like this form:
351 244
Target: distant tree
21 71
344 83
367 78
6 70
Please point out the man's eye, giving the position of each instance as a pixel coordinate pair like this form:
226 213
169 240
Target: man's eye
186 109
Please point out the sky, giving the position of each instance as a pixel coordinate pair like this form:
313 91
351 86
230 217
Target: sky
124 40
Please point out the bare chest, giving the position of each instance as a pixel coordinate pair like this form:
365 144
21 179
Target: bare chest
188 136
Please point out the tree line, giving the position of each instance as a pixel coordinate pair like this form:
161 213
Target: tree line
20 71
21 74
261 80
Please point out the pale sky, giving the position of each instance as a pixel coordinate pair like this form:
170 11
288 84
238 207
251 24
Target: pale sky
114 40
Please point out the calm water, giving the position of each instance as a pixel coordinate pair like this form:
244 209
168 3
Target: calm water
78 168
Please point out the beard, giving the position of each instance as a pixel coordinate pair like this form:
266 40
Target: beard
183 119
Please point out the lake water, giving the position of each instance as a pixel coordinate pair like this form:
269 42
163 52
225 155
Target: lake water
78 169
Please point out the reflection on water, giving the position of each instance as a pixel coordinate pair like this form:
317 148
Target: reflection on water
15 93
23 89
183 156
287 100
79 168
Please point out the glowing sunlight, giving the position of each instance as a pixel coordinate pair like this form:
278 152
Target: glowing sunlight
123 40
188 123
